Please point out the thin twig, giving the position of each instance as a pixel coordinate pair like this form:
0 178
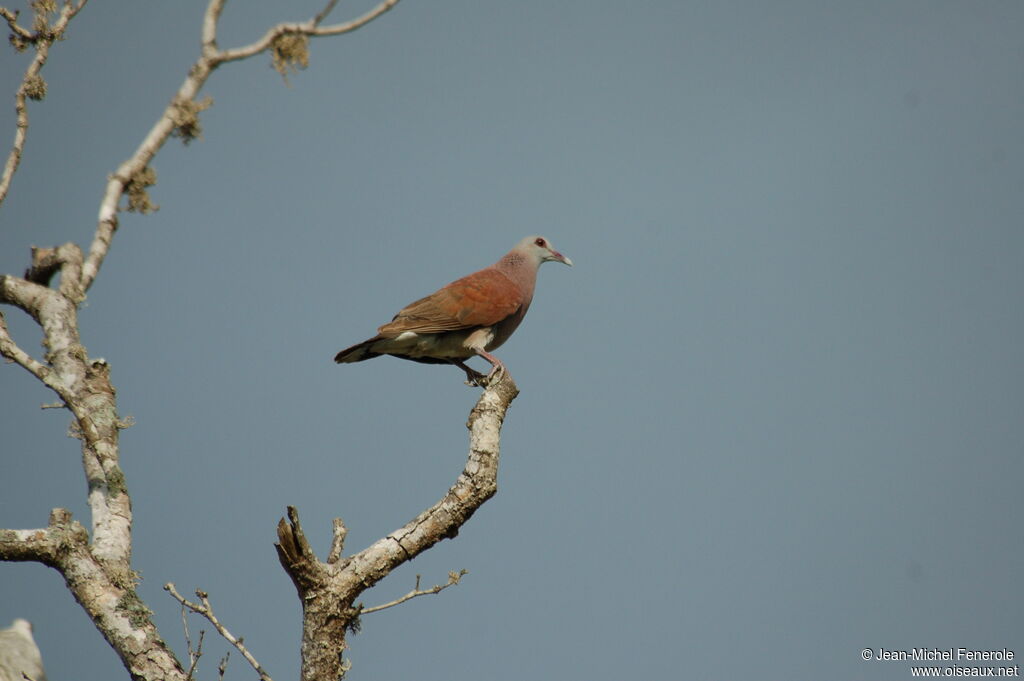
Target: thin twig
453 579
210 19
184 626
12 21
206 610
309 28
318 19
32 84
199 653
193 653
223 666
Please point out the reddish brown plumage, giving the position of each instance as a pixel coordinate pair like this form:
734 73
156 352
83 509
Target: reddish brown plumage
479 299
469 316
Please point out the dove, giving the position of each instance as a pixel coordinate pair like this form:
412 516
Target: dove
470 316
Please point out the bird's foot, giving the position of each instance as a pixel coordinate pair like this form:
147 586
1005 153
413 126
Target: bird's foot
474 378
495 375
497 369
479 380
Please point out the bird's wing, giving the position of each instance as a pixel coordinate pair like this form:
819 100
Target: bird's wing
483 298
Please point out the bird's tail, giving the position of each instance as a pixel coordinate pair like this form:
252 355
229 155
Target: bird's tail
358 352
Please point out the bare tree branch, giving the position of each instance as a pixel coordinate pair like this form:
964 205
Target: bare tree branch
170 120
107 596
222 666
337 541
42 304
206 610
308 28
99 572
10 350
329 589
42 545
322 14
193 653
210 19
65 259
84 386
12 21
32 84
453 579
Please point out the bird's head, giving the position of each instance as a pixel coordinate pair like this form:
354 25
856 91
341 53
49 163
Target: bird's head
541 250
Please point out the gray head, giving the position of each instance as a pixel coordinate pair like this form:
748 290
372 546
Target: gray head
540 250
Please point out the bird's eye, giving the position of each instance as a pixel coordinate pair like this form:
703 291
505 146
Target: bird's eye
540 242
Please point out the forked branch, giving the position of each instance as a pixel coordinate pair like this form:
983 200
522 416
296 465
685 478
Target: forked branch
329 589
96 565
453 579
171 121
204 609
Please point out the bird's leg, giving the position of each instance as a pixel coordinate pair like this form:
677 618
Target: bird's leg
497 371
473 377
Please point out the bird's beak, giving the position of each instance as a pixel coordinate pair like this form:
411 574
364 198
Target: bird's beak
555 255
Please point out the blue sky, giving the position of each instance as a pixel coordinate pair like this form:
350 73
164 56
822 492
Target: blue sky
773 415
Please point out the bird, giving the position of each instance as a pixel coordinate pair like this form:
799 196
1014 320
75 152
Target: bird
470 316
19 655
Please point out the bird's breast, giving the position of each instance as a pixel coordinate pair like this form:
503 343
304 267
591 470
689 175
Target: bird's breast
501 331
